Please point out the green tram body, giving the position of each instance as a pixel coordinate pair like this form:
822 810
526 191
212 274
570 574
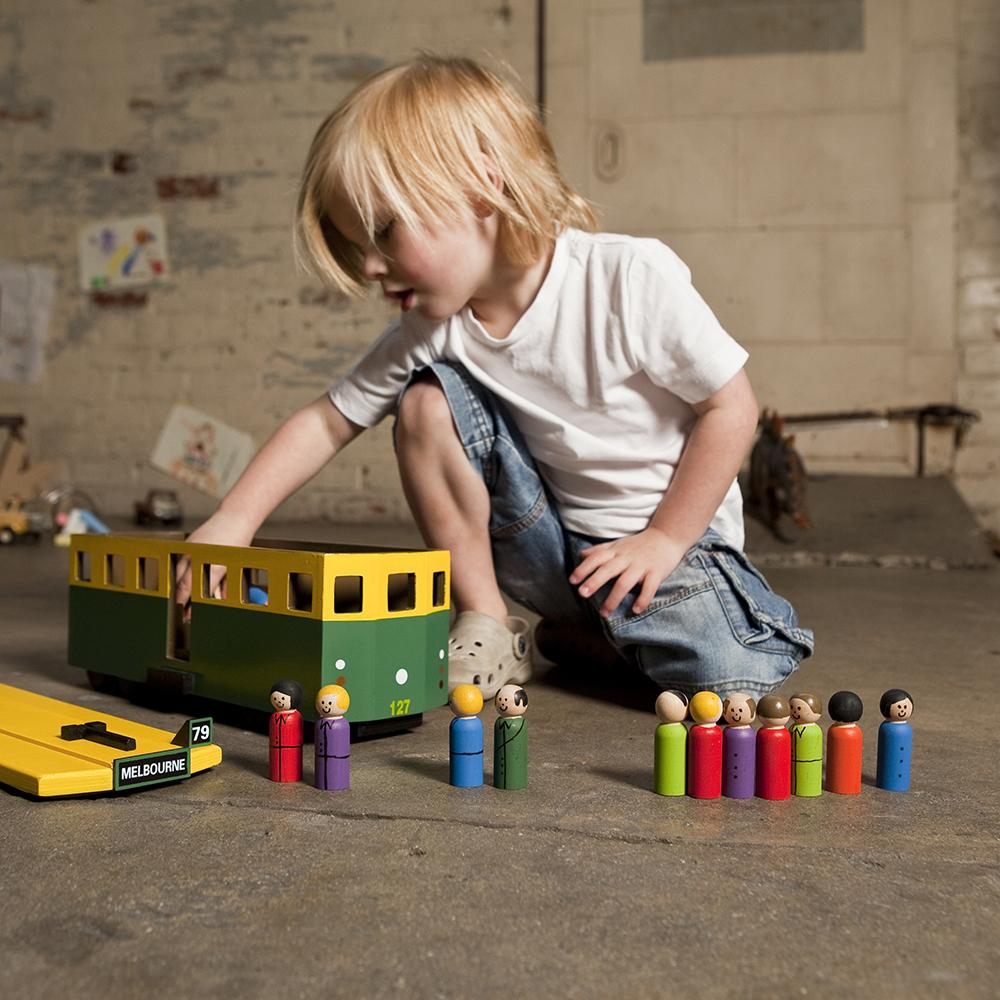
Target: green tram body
393 663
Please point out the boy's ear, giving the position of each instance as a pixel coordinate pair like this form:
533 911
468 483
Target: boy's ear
484 209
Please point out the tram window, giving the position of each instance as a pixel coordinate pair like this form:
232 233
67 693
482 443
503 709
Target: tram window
254 587
114 571
83 567
300 592
149 573
348 595
209 570
438 598
402 591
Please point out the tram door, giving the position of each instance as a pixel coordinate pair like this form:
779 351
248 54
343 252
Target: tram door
178 616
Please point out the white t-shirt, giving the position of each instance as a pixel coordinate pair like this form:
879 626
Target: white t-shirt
599 375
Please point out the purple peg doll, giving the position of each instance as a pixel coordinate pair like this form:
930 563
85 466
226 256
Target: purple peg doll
333 739
739 746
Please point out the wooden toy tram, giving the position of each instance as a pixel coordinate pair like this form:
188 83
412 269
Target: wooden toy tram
375 620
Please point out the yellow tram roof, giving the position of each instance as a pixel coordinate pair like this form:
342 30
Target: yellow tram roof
323 563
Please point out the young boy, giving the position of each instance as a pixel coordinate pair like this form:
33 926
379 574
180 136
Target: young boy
570 414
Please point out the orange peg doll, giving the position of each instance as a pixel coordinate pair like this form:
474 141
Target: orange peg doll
843 744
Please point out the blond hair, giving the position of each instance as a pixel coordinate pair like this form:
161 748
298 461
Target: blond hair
416 142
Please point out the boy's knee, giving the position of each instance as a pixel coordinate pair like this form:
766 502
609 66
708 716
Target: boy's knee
423 409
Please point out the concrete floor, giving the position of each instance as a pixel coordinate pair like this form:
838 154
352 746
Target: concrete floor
585 885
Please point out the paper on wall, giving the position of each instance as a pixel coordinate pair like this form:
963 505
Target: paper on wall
201 451
121 253
26 292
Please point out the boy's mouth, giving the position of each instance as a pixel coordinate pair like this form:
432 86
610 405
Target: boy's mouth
404 297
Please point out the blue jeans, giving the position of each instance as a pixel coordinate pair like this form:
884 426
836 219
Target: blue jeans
714 623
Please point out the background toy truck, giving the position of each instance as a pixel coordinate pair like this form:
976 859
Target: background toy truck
23 518
159 507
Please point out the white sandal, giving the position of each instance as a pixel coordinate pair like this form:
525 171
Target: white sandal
484 652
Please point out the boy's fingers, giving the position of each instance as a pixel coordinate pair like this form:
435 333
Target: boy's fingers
599 577
626 581
649 588
596 559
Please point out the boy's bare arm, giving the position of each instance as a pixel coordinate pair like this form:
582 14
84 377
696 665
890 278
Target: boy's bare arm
712 457
296 451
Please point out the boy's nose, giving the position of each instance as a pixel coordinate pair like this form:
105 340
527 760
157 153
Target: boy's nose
374 264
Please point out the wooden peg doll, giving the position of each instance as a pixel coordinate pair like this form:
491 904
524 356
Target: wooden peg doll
895 741
843 744
510 738
807 745
705 747
774 749
670 744
739 746
465 737
333 739
285 759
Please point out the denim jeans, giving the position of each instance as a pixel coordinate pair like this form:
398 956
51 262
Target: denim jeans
714 623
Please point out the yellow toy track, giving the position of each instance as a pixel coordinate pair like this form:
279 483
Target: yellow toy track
50 747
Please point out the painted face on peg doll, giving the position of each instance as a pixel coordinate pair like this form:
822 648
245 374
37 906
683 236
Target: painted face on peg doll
511 700
739 709
804 708
332 701
280 701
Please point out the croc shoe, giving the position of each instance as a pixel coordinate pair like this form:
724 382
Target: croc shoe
484 652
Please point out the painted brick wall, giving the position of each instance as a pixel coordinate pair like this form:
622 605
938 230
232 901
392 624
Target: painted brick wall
838 212
202 111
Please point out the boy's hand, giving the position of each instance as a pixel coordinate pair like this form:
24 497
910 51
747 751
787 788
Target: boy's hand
649 556
219 529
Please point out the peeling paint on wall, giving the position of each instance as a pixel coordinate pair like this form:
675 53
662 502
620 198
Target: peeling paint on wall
119 300
187 187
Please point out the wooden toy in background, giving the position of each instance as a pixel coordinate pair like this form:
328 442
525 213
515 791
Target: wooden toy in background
807 745
374 620
895 741
704 778
777 486
510 738
670 744
774 749
19 475
159 507
465 737
50 747
285 758
739 746
844 741
332 739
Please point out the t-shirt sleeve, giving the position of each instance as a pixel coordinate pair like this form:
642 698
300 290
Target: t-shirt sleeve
673 334
370 390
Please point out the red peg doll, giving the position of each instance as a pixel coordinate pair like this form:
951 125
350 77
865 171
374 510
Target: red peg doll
286 732
705 747
774 749
843 744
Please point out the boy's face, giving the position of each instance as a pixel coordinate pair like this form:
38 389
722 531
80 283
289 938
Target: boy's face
436 271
